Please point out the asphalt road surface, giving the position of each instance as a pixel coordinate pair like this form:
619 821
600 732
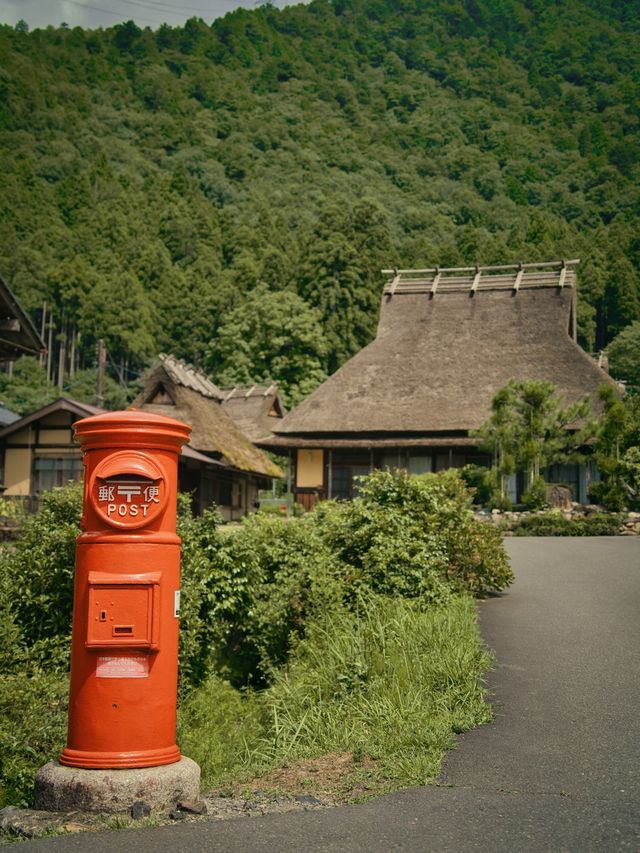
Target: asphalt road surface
559 768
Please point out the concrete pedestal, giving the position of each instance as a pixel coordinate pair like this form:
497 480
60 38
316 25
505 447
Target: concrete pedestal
61 789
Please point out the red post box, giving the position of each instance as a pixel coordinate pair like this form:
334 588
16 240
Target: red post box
124 658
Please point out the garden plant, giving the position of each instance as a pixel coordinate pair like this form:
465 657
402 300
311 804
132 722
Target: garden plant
349 631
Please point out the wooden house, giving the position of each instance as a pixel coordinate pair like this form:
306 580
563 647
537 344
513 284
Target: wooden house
221 465
18 335
447 340
256 409
38 451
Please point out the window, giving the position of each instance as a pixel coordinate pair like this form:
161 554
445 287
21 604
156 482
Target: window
346 466
419 463
207 492
49 472
225 493
413 461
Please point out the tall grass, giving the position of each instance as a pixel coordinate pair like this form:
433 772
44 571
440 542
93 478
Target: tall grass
392 682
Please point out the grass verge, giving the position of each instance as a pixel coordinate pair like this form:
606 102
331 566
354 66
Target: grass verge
369 701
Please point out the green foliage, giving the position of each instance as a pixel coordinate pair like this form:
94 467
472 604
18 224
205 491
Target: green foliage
153 179
487 486
278 592
220 727
414 537
554 524
33 725
271 336
388 680
624 356
208 593
36 577
498 435
531 428
27 389
617 440
535 497
292 575
82 387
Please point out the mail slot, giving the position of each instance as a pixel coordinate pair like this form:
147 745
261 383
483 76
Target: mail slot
124 651
124 610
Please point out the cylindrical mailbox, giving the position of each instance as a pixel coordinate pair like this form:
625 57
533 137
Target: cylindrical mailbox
124 657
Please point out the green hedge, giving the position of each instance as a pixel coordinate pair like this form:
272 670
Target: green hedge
554 524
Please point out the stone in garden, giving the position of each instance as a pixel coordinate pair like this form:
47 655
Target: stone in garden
140 809
559 497
193 806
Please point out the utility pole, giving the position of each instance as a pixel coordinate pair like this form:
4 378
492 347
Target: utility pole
62 355
43 326
49 349
102 358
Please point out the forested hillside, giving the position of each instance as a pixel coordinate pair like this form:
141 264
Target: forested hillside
229 193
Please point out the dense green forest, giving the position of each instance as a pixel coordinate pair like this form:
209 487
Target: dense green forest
230 192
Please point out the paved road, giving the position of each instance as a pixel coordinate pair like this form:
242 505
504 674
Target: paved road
558 770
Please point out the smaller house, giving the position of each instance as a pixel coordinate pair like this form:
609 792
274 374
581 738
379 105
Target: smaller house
256 409
220 464
39 452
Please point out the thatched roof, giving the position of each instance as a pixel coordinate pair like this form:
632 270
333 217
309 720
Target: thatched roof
442 352
256 409
178 391
18 335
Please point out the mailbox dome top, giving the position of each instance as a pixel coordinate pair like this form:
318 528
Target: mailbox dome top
131 428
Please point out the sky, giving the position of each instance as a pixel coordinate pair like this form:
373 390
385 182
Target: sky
91 14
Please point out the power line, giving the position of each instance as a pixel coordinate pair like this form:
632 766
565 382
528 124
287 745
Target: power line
113 14
159 5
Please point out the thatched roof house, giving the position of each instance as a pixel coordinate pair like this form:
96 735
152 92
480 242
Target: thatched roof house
256 409
447 340
227 468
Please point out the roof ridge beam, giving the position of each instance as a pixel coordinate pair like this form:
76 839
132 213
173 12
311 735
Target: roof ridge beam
487 268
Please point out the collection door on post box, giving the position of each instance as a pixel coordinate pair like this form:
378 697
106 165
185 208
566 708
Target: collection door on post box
122 708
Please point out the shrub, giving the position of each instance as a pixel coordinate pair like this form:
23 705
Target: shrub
485 487
535 497
33 711
289 575
554 524
608 493
414 537
37 577
211 592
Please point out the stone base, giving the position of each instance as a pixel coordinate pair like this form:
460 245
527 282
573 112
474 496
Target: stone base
63 789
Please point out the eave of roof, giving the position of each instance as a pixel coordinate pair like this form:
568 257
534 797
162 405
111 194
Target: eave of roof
23 340
65 404
364 442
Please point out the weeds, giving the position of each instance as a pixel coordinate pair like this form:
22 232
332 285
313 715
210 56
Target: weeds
391 682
